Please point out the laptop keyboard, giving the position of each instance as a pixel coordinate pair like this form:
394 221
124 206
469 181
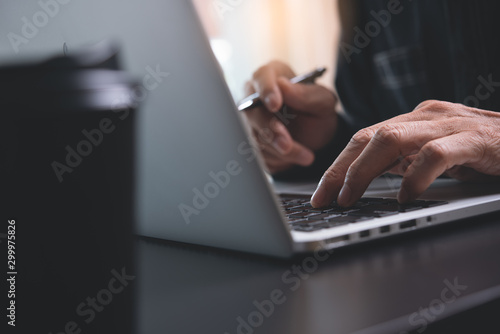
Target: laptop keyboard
304 218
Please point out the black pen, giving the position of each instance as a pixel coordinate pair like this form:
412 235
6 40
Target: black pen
254 100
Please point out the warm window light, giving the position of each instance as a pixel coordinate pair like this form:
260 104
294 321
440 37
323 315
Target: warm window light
222 49
252 33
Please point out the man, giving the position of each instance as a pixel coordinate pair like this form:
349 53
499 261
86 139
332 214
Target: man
425 72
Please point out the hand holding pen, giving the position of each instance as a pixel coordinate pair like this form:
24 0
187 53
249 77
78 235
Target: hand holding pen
289 136
254 100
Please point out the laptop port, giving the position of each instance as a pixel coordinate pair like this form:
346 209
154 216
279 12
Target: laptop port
364 234
385 229
337 239
408 224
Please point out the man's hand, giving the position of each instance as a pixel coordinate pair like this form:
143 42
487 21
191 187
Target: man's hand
436 138
289 136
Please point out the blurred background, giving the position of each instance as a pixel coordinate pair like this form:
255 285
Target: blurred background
247 34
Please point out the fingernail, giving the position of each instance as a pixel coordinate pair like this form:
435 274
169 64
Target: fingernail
403 196
344 195
280 144
271 102
319 197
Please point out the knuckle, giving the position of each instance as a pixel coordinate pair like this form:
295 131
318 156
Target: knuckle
271 67
281 67
435 151
362 137
481 140
276 63
388 135
425 103
435 106
331 176
260 72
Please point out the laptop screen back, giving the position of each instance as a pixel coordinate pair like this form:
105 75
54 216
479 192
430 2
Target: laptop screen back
199 180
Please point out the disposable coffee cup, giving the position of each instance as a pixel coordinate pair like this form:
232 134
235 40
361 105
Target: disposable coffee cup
67 138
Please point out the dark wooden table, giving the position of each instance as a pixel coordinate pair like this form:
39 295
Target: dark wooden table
442 280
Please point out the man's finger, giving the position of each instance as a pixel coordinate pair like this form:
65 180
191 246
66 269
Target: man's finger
265 83
274 164
297 155
333 179
273 136
300 155
307 98
402 165
389 143
358 164
282 141
278 142
434 159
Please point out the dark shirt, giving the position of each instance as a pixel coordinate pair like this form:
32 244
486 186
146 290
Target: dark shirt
430 49
393 55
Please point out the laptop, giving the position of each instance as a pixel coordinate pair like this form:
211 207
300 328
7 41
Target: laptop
200 177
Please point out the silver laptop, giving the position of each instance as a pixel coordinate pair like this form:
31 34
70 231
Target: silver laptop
200 178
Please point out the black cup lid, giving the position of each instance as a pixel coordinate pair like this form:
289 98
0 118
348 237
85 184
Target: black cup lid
86 81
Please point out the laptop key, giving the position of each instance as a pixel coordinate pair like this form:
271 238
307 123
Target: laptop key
291 205
296 220
356 205
303 222
374 200
303 201
366 207
307 228
323 216
320 210
372 213
393 206
296 209
341 220
292 201
302 215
